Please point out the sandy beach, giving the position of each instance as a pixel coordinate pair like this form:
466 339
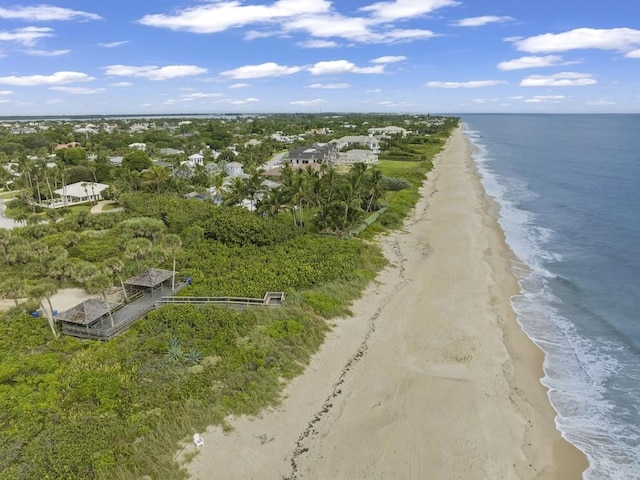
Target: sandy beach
431 378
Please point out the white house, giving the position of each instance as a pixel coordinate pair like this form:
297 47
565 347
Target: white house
233 168
368 141
139 146
79 192
196 159
388 131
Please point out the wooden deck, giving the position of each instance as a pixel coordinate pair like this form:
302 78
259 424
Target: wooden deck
140 304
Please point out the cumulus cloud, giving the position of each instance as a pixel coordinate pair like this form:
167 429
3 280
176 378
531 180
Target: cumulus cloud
532 62
153 72
329 86
6 92
315 101
480 21
57 78
342 66
199 95
269 69
45 13
113 44
545 99
562 79
121 84
469 84
633 54
220 16
78 90
239 85
618 39
318 44
403 9
389 59
243 102
47 53
26 36
317 18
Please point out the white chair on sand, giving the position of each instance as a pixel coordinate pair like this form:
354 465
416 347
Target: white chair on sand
198 440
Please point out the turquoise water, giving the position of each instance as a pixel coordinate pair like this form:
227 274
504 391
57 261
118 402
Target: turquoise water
569 191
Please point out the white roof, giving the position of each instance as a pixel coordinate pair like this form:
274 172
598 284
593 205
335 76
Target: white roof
78 189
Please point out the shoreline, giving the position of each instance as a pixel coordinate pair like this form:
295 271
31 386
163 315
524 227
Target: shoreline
432 377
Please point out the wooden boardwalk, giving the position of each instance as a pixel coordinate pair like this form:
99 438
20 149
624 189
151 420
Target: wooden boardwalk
126 314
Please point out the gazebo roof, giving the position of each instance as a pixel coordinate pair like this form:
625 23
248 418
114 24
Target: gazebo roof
85 312
149 279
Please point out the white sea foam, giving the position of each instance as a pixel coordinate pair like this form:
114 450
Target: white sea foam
577 369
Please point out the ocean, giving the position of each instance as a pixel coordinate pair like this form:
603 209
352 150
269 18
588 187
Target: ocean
568 187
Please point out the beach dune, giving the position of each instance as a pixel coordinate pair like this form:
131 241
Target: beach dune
431 378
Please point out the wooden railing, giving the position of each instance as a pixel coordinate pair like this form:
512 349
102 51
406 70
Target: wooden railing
270 299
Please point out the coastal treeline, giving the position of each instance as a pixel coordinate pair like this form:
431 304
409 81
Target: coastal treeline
121 409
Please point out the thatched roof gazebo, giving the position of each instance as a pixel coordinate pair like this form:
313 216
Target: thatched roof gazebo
150 281
82 319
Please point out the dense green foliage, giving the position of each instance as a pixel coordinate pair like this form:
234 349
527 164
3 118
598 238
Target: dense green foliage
75 409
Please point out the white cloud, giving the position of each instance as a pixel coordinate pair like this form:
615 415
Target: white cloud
198 95
600 103
318 44
563 79
221 15
470 84
401 9
374 90
121 84
633 54
47 53
389 59
58 78
26 36
239 85
243 102
317 18
316 101
6 92
45 13
329 86
153 72
269 69
113 44
78 90
532 62
480 21
545 99
342 66
619 39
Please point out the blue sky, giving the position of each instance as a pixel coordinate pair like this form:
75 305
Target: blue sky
425 56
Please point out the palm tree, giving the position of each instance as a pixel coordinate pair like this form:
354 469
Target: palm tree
115 265
273 203
375 187
13 288
39 293
173 243
137 249
156 177
101 283
236 192
5 241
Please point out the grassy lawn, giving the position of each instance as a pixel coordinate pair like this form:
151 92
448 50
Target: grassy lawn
110 206
9 195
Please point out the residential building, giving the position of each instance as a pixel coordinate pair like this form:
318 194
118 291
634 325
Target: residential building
317 153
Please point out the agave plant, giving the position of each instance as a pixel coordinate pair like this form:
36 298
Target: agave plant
193 356
174 349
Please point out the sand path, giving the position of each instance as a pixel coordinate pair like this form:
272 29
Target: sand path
430 379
